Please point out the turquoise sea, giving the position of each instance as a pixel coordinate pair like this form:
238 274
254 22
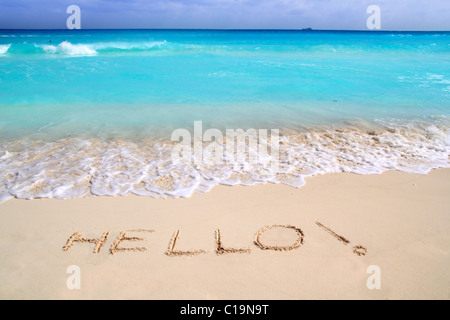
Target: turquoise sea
92 111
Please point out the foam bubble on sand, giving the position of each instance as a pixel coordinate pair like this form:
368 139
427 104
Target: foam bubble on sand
73 168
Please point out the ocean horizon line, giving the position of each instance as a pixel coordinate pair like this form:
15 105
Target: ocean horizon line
232 29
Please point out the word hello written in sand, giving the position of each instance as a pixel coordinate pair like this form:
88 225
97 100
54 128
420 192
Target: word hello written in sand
220 249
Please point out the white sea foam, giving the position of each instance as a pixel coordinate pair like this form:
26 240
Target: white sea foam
128 45
4 48
78 167
66 48
69 49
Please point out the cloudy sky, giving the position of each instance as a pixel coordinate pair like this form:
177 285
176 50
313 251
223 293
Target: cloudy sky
226 14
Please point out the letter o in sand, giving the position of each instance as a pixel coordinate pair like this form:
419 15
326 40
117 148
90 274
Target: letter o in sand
297 244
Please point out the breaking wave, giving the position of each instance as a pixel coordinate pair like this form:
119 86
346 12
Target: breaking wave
4 48
66 48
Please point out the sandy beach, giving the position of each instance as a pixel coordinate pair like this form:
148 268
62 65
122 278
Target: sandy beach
322 241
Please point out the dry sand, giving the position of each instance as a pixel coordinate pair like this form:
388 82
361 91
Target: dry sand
208 246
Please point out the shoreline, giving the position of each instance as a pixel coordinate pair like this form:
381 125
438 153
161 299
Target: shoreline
74 168
401 220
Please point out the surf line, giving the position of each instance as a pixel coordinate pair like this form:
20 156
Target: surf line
172 251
